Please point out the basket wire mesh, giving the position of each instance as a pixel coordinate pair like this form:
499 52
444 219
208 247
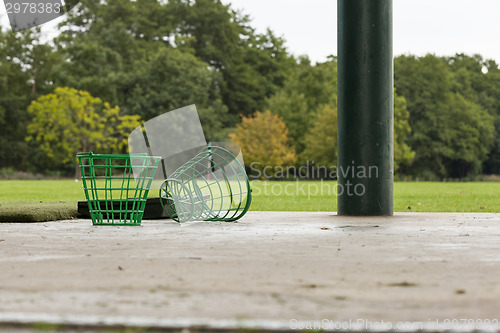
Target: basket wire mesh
117 186
212 186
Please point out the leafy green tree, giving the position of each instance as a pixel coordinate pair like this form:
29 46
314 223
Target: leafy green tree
14 96
403 154
478 80
468 77
249 66
144 63
307 89
469 137
264 142
105 44
490 99
92 67
298 117
451 135
252 65
171 79
25 66
321 140
69 121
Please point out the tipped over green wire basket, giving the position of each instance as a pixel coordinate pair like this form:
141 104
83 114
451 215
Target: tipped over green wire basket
212 186
117 186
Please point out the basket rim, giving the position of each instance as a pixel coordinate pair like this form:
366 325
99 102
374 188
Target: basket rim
102 156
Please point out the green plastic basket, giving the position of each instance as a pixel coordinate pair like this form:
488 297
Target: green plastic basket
117 186
212 186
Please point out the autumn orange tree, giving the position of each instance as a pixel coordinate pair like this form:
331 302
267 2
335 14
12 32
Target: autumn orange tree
264 142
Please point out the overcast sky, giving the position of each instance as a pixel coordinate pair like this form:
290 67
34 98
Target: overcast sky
443 27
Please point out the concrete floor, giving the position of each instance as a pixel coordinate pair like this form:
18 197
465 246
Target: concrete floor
271 270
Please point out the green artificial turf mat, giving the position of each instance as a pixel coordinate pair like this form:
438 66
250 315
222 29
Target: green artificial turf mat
37 211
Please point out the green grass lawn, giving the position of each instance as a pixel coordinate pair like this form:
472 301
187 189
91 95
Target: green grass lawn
41 190
411 196
296 196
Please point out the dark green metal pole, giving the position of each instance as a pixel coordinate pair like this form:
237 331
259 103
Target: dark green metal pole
366 108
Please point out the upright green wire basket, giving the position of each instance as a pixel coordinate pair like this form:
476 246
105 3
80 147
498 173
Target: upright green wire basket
117 186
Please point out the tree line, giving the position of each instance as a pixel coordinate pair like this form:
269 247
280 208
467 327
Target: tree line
129 61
